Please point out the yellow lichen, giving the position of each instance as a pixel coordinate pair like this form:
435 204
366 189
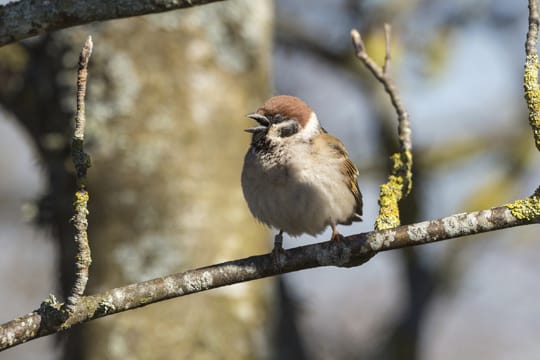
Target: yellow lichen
532 95
398 186
81 198
526 209
389 212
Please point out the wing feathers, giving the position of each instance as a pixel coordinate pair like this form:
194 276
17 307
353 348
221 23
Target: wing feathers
349 170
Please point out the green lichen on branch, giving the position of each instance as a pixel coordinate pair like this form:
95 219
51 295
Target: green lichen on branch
527 209
388 204
81 199
398 186
532 95
80 223
83 259
399 182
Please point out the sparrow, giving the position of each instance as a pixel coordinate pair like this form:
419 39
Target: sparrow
296 177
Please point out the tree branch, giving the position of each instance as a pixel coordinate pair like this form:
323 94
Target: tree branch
399 182
530 83
81 160
26 18
354 250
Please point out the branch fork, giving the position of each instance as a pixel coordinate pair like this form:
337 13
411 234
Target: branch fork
54 317
399 182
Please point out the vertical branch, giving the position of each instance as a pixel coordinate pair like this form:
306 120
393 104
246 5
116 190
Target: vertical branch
532 34
81 160
399 182
530 83
387 53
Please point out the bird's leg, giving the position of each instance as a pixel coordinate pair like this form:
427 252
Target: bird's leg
278 249
335 234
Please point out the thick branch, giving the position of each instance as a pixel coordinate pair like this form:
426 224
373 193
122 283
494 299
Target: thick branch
353 251
25 18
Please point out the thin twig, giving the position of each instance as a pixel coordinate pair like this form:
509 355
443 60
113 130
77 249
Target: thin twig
387 52
385 79
532 33
530 83
82 74
81 160
356 250
399 182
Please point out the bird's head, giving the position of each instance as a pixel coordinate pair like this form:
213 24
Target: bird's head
284 116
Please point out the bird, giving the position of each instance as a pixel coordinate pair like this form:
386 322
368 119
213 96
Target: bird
296 177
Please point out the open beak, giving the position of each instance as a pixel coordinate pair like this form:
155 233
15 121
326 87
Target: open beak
261 119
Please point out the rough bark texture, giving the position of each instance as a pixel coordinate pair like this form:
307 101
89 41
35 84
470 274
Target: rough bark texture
24 18
354 250
167 95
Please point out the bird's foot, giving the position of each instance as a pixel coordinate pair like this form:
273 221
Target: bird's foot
278 250
336 236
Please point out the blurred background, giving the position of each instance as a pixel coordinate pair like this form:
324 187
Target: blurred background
166 104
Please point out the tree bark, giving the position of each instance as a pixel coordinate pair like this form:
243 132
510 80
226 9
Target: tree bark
167 95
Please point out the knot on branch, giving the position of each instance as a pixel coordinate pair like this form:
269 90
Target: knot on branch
81 160
52 315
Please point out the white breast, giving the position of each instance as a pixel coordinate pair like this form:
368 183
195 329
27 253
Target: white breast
296 191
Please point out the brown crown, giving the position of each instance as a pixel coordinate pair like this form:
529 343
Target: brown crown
288 106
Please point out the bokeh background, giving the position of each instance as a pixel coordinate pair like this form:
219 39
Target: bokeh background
458 66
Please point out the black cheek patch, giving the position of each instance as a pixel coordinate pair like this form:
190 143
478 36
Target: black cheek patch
288 130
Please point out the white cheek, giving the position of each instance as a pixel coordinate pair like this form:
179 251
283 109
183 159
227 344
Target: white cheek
273 134
312 127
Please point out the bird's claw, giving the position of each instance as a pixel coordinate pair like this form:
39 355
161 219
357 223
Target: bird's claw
338 239
336 236
278 250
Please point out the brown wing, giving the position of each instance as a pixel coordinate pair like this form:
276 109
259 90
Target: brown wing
349 170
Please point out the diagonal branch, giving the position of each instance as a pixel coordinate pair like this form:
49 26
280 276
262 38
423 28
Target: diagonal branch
399 182
355 250
26 18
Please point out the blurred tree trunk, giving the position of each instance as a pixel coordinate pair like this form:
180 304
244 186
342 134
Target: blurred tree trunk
404 334
166 105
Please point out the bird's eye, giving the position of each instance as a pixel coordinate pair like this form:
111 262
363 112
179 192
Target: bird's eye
278 118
